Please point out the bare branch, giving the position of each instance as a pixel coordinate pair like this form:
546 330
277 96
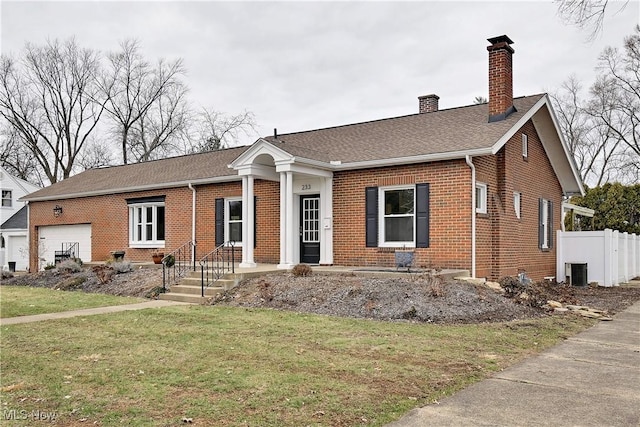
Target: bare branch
586 14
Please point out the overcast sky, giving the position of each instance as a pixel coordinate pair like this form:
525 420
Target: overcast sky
307 65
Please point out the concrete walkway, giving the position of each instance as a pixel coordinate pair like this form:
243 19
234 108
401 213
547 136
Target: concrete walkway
88 312
591 379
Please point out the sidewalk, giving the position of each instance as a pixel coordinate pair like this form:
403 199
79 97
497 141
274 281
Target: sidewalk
591 379
88 312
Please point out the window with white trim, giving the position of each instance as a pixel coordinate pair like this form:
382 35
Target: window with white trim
146 225
397 216
7 198
517 198
233 220
544 223
545 226
525 145
481 198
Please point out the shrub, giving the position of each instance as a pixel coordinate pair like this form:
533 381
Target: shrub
49 266
68 266
302 270
71 283
103 273
155 292
122 267
170 261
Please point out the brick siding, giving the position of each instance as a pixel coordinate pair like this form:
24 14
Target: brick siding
506 245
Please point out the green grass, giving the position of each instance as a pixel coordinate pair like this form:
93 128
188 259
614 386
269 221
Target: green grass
231 366
25 301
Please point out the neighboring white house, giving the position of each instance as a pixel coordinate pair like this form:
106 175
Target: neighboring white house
13 221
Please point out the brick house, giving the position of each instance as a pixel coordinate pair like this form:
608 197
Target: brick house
478 187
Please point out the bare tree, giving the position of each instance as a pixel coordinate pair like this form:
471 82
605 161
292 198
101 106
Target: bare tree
602 130
589 141
51 99
16 157
480 100
586 14
616 100
159 131
96 154
213 130
133 88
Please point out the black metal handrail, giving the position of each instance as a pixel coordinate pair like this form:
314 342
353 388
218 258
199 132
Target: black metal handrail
217 263
70 250
176 264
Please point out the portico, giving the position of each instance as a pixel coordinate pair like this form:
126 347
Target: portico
306 208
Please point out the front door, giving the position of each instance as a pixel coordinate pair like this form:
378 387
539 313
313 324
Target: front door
310 229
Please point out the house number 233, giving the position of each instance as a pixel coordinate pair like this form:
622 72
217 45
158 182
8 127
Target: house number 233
306 187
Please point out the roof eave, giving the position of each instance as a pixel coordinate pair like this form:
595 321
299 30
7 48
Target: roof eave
574 187
159 186
424 158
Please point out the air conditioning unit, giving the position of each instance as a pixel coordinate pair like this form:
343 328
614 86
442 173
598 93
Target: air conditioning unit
576 274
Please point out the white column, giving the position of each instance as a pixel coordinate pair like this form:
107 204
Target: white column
283 221
248 222
287 231
291 233
326 221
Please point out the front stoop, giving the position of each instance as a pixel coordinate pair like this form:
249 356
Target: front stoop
189 289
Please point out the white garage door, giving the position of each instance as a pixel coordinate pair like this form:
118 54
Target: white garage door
55 237
17 251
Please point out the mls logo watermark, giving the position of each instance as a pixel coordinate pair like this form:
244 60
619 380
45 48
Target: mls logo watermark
23 415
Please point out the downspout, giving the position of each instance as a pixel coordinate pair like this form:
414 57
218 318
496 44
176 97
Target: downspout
473 214
193 222
29 240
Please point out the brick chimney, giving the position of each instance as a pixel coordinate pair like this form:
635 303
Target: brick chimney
428 103
500 78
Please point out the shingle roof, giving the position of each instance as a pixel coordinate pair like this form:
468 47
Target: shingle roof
451 130
154 174
445 131
17 221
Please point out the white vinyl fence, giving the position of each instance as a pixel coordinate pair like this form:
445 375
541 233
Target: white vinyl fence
611 257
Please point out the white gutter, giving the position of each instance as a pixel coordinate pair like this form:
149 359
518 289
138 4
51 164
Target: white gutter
436 157
155 186
193 220
473 215
29 241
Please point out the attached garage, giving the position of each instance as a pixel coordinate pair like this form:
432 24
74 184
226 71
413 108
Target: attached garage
17 252
56 237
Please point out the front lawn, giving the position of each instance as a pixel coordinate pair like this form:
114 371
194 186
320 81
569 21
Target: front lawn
228 366
26 301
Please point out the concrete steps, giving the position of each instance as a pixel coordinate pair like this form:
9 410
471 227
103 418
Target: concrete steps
189 289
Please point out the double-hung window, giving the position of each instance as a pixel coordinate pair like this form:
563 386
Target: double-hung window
146 223
229 221
397 216
7 200
233 224
545 224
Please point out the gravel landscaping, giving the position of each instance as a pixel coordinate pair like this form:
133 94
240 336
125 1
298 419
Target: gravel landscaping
416 297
